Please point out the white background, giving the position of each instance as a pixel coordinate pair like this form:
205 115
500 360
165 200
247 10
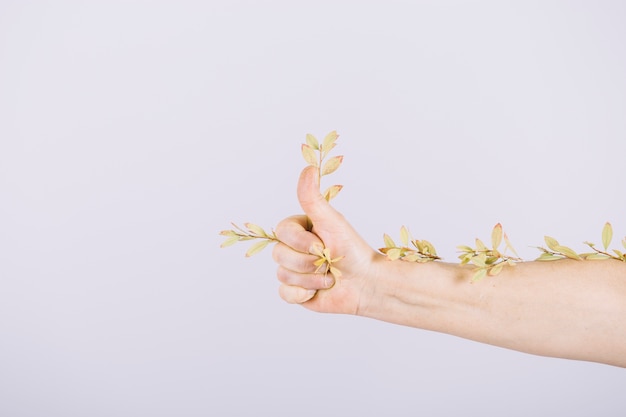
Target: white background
132 132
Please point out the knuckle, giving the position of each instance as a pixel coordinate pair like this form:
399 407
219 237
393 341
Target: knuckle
283 275
281 228
295 295
286 292
286 227
305 265
276 253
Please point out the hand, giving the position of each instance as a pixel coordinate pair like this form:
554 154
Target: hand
322 226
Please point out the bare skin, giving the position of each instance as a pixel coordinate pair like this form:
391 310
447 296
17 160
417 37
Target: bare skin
568 309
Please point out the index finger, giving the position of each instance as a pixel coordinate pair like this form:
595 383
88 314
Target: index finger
295 232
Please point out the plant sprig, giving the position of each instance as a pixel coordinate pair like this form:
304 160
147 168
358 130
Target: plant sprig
489 261
317 159
315 154
422 250
607 237
325 262
251 232
556 251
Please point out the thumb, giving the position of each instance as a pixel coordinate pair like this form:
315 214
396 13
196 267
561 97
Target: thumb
312 202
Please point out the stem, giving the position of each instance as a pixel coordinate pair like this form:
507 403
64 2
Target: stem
319 165
605 253
489 252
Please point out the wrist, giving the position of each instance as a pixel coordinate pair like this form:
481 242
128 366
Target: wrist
431 295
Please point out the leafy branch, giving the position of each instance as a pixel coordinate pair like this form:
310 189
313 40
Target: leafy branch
555 251
253 231
325 262
317 160
422 250
489 261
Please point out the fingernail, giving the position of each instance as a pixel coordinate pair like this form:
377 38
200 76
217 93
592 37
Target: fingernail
309 294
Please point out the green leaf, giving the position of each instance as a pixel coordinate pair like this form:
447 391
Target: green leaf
336 272
620 254
595 256
496 269
607 235
429 247
257 247
479 260
230 241
338 259
479 274
394 253
404 236
312 141
551 242
548 257
496 236
332 191
568 252
309 155
389 243
319 262
257 230
331 165
329 142
491 260
480 245
509 246
464 248
465 258
412 257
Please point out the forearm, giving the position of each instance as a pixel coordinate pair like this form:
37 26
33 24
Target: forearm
571 309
